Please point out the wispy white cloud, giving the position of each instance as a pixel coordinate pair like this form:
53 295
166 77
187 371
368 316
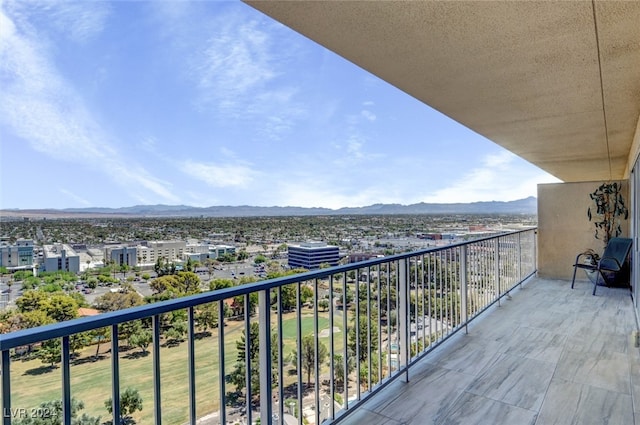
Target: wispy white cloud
148 144
78 22
220 175
488 182
42 108
368 115
234 64
74 20
240 70
77 199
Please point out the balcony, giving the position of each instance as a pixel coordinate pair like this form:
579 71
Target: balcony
547 355
457 334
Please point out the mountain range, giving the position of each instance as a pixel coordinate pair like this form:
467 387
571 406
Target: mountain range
521 206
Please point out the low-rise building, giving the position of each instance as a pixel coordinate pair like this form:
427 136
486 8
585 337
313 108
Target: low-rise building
61 257
203 252
170 251
121 255
18 255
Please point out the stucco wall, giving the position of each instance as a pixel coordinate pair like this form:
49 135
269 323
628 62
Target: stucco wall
564 229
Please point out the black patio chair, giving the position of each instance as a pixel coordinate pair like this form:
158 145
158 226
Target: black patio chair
612 262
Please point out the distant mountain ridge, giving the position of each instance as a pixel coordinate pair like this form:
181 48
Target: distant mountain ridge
521 206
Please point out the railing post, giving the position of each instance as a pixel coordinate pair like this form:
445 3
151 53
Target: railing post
496 267
115 374
221 364
6 388
463 287
157 405
403 314
519 247
191 355
66 381
264 311
247 357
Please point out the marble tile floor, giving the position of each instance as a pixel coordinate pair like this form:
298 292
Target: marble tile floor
548 355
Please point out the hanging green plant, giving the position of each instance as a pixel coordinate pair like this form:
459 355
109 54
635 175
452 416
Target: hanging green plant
610 208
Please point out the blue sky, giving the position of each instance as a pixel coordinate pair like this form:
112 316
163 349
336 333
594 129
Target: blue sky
111 104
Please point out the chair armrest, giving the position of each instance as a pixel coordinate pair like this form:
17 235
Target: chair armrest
577 262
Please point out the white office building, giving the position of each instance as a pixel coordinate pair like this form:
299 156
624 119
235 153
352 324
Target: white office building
60 257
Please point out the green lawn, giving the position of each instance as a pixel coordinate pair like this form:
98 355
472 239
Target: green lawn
91 380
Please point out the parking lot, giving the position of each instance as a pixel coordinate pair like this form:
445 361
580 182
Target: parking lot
234 271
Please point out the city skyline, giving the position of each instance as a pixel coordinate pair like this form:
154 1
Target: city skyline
115 104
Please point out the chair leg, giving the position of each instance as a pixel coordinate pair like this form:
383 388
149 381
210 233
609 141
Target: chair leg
598 276
575 269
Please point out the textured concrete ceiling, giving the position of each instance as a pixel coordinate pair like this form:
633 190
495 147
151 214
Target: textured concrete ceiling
531 76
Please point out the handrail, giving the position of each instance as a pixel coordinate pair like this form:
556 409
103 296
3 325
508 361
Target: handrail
441 289
83 324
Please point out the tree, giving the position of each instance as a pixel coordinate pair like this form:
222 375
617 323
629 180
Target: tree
50 352
92 282
54 410
35 318
124 268
323 304
130 402
207 315
31 300
164 283
163 267
188 266
309 357
141 338
306 294
114 301
99 335
237 306
237 377
79 341
338 368
60 307
211 264
220 284
126 329
367 340
189 282
288 297
180 284
177 328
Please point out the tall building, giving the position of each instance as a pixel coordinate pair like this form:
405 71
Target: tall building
310 255
18 255
61 257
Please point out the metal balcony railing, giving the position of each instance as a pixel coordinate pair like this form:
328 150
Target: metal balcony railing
326 339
